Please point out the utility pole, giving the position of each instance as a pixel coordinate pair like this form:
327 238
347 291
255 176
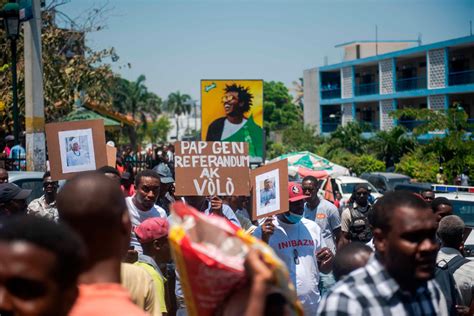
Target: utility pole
16 120
34 100
195 119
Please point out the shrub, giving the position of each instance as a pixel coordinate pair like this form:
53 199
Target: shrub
419 165
367 163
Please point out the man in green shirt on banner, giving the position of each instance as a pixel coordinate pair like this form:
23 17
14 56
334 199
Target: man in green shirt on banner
235 127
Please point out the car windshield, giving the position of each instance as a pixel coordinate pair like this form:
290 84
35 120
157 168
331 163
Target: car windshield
393 182
348 188
465 210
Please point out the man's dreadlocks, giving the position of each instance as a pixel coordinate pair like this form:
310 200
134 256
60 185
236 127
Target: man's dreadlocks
244 95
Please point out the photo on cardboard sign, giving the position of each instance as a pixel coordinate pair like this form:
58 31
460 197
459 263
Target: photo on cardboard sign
75 146
269 189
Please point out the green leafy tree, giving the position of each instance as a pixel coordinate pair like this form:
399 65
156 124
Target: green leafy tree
419 164
358 163
276 149
157 131
178 104
133 97
64 74
389 146
366 163
456 145
299 137
350 137
298 90
280 112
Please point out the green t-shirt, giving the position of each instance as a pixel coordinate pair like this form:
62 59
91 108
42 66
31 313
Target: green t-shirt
159 281
251 133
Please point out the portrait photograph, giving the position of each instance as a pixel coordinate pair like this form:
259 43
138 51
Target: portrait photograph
268 192
77 150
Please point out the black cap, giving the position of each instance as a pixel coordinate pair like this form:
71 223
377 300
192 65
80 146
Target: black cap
10 191
361 186
165 173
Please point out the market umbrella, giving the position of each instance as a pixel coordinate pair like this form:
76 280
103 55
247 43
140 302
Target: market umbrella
305 163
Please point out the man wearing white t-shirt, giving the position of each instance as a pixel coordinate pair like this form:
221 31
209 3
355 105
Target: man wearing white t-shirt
300 244
141 206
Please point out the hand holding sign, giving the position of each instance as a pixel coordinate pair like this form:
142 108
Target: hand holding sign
211 168
268 229
216 205
269 189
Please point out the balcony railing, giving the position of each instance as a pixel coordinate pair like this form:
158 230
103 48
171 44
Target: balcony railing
329 127
414 83
410 124
331 93
367 89
461 77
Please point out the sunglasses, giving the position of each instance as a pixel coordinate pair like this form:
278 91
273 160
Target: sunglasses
362 193
228 98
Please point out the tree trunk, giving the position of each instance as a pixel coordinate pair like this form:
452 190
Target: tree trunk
177 126
132 136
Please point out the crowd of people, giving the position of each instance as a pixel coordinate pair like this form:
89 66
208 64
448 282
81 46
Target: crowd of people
98 245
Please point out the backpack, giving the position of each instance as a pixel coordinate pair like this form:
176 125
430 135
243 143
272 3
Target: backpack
444 276
359 229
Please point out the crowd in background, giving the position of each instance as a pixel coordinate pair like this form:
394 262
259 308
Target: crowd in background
99 245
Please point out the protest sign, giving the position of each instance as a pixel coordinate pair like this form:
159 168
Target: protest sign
211 168
239 99
269 189
75 147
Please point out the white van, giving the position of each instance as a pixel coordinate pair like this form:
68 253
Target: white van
345 185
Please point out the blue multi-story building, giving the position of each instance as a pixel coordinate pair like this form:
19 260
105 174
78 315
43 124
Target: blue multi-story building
377 78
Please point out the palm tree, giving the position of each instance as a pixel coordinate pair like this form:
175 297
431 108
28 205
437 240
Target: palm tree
350 137
134 98
178 104
391 145
298 89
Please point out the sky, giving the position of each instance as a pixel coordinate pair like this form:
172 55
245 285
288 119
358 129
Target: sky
176 43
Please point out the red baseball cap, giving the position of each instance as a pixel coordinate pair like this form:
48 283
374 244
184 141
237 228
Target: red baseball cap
152 229
295 192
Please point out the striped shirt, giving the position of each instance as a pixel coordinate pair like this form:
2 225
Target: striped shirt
371 291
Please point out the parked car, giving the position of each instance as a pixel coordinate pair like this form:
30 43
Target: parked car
345 185
31 180
385 181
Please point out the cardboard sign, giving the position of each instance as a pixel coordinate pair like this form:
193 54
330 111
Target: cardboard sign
111 155
75 147
211 168
269 189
